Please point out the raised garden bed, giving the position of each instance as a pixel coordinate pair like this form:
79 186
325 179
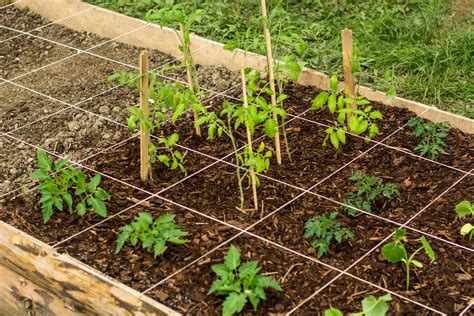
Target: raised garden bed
61 102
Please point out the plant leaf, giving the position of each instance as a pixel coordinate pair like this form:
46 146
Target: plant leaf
464 208
234 303
393 252
428 250
333 312
94 182
320 100
232 259
372 306
44 163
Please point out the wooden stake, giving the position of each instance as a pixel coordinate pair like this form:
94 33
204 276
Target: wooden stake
271 77
348 75
249 140
144 132
189 77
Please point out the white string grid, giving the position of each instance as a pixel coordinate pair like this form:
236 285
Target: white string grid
377 246
208 90
90 113
376 144
242 231
10 4
46 25
223 94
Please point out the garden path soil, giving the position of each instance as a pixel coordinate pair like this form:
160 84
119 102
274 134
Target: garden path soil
214 193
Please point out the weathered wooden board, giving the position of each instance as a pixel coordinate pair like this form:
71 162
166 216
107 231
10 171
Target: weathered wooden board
35 280
109 24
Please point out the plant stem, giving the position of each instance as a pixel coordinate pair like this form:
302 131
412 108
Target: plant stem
249 140
237 162
189 74
271 77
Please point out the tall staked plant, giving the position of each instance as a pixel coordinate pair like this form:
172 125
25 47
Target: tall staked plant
271 77
165 16
249 139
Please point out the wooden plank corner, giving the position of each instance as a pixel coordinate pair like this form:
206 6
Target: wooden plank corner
38 281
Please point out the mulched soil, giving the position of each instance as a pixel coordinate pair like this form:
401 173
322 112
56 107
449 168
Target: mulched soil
445 285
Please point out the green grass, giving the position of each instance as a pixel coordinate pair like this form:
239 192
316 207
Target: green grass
429 48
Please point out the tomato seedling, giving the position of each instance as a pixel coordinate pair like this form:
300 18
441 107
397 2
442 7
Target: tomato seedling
463 209
361 122
154 235
59 184
371 306
322 230
395 252
369 188
240 283
432 136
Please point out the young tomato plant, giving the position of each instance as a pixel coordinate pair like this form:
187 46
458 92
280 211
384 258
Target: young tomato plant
154 236
59 185
323 229
237 114
168 103
368 190
463 209
361 122
371 306
240 283
173 158
432 137
259 111
396 252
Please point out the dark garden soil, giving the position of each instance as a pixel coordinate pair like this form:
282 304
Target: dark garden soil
210 188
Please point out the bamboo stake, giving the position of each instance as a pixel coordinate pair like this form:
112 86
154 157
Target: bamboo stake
348 75
144 131
249 140
189 77
271 77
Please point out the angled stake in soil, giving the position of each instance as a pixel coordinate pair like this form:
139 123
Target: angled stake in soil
249 139
271 77
189 76
144 130
348 75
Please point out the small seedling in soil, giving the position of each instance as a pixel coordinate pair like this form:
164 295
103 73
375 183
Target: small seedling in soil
323 229
240 283
173 158
463 209
60 185
371 306
153 235
432 137
361 122
396 252
368 190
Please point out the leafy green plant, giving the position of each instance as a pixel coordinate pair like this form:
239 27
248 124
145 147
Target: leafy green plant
173 158
371 306
259 110
463 209
369 188
237 114
154 235
168 103
432 136
61 185
396 252
240 283
322 230
361 122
